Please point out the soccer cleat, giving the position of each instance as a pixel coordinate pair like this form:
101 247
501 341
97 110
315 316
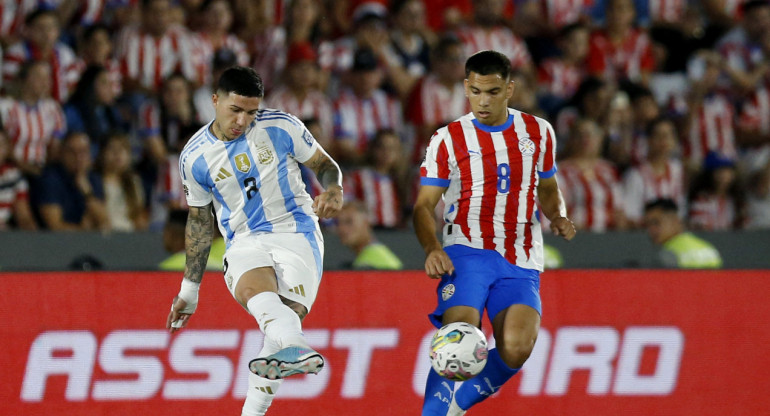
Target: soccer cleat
287 362
454 409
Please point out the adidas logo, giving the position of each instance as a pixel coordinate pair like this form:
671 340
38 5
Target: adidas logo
266 390
223 174
298 290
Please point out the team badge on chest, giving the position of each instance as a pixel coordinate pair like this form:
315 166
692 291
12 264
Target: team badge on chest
526 146
264 155
242 162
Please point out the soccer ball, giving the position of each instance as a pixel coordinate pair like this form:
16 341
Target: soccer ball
458 351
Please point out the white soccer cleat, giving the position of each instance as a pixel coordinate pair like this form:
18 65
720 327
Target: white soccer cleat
287 362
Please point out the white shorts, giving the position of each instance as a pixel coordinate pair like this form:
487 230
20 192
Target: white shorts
297 259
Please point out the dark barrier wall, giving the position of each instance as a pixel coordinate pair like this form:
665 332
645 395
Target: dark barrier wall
22 251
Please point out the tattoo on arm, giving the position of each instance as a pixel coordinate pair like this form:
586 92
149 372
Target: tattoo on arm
197 241
326 169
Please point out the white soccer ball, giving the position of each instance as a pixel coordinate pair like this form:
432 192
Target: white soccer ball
458 351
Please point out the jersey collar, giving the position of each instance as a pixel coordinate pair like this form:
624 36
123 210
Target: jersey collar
493 129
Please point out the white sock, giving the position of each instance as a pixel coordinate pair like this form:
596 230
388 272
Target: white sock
261 390
278 321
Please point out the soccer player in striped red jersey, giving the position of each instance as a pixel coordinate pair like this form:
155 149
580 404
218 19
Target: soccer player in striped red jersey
495 170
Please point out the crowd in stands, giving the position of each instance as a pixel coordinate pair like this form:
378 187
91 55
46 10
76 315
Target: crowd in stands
649 99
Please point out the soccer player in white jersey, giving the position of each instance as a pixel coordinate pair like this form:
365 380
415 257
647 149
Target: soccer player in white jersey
243 165
492 167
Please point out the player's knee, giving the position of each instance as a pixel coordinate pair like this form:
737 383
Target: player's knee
515 350
244 292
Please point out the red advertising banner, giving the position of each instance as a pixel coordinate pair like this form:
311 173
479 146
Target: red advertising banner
632 342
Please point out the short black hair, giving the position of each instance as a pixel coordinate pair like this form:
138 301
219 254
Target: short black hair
241 80
488 63
666 204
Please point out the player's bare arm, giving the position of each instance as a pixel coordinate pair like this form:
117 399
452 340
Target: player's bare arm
328 203
198 237
553 206
437 262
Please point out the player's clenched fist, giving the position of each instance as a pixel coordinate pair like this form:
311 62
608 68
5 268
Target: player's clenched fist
564 227
437 264
329 203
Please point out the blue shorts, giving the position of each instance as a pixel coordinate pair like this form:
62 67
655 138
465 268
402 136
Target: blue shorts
485 279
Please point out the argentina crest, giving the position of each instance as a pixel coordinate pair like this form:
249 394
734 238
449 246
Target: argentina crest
264 155
242 162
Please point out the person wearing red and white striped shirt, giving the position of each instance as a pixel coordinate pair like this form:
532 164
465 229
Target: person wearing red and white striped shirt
619 50
363 109
717 198
34 122
660 175
215 35
96 48
41 34
560 76
744 48
12 15
150 53
492 167
14 192
590 183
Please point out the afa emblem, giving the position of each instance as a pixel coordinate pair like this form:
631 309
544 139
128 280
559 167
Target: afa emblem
447 291
242 162
526 146
264 155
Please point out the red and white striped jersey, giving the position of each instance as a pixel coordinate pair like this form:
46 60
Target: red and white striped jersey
739 51
592 198
378 192
268 54
491 174
207 51
557 78
560 13
359 119
712 213
629 60
12 14
316 105
500 39
711 129
668 11
13 188
641 185
150 60
167 192
63 62
31 128
755 112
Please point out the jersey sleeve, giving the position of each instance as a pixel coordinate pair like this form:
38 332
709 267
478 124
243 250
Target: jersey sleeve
303 142
435 167
196 181
546 165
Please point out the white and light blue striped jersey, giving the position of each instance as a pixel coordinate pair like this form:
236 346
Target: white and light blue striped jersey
254 180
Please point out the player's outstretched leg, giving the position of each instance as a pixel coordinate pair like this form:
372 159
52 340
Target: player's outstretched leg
438 394
485 384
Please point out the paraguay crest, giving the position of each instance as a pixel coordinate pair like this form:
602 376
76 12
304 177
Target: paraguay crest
242 162
526 146
264 155
447 291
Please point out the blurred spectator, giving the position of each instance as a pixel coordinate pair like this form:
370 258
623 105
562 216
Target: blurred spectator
299 94
96 48
709 114
408 57
547 18
34 122
379 184
679 248
123 193
488 31
661 175
758 200
223 59
70 195
630 125
717 199
169 46
173 242
369 31
41 43
15 211
12 15
560 76
592 101
524 96
620 51
214 35
356 233
92 108
362 109
743 59
439 97
590 184
753 124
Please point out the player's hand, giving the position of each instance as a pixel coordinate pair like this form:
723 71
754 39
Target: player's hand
438 263
329 203
176 319
564 227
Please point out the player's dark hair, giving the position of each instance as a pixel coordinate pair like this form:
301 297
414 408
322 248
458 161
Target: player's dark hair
665 204
488 63
241 80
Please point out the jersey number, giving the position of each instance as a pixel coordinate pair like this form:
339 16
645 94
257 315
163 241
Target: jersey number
250 186
503 178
